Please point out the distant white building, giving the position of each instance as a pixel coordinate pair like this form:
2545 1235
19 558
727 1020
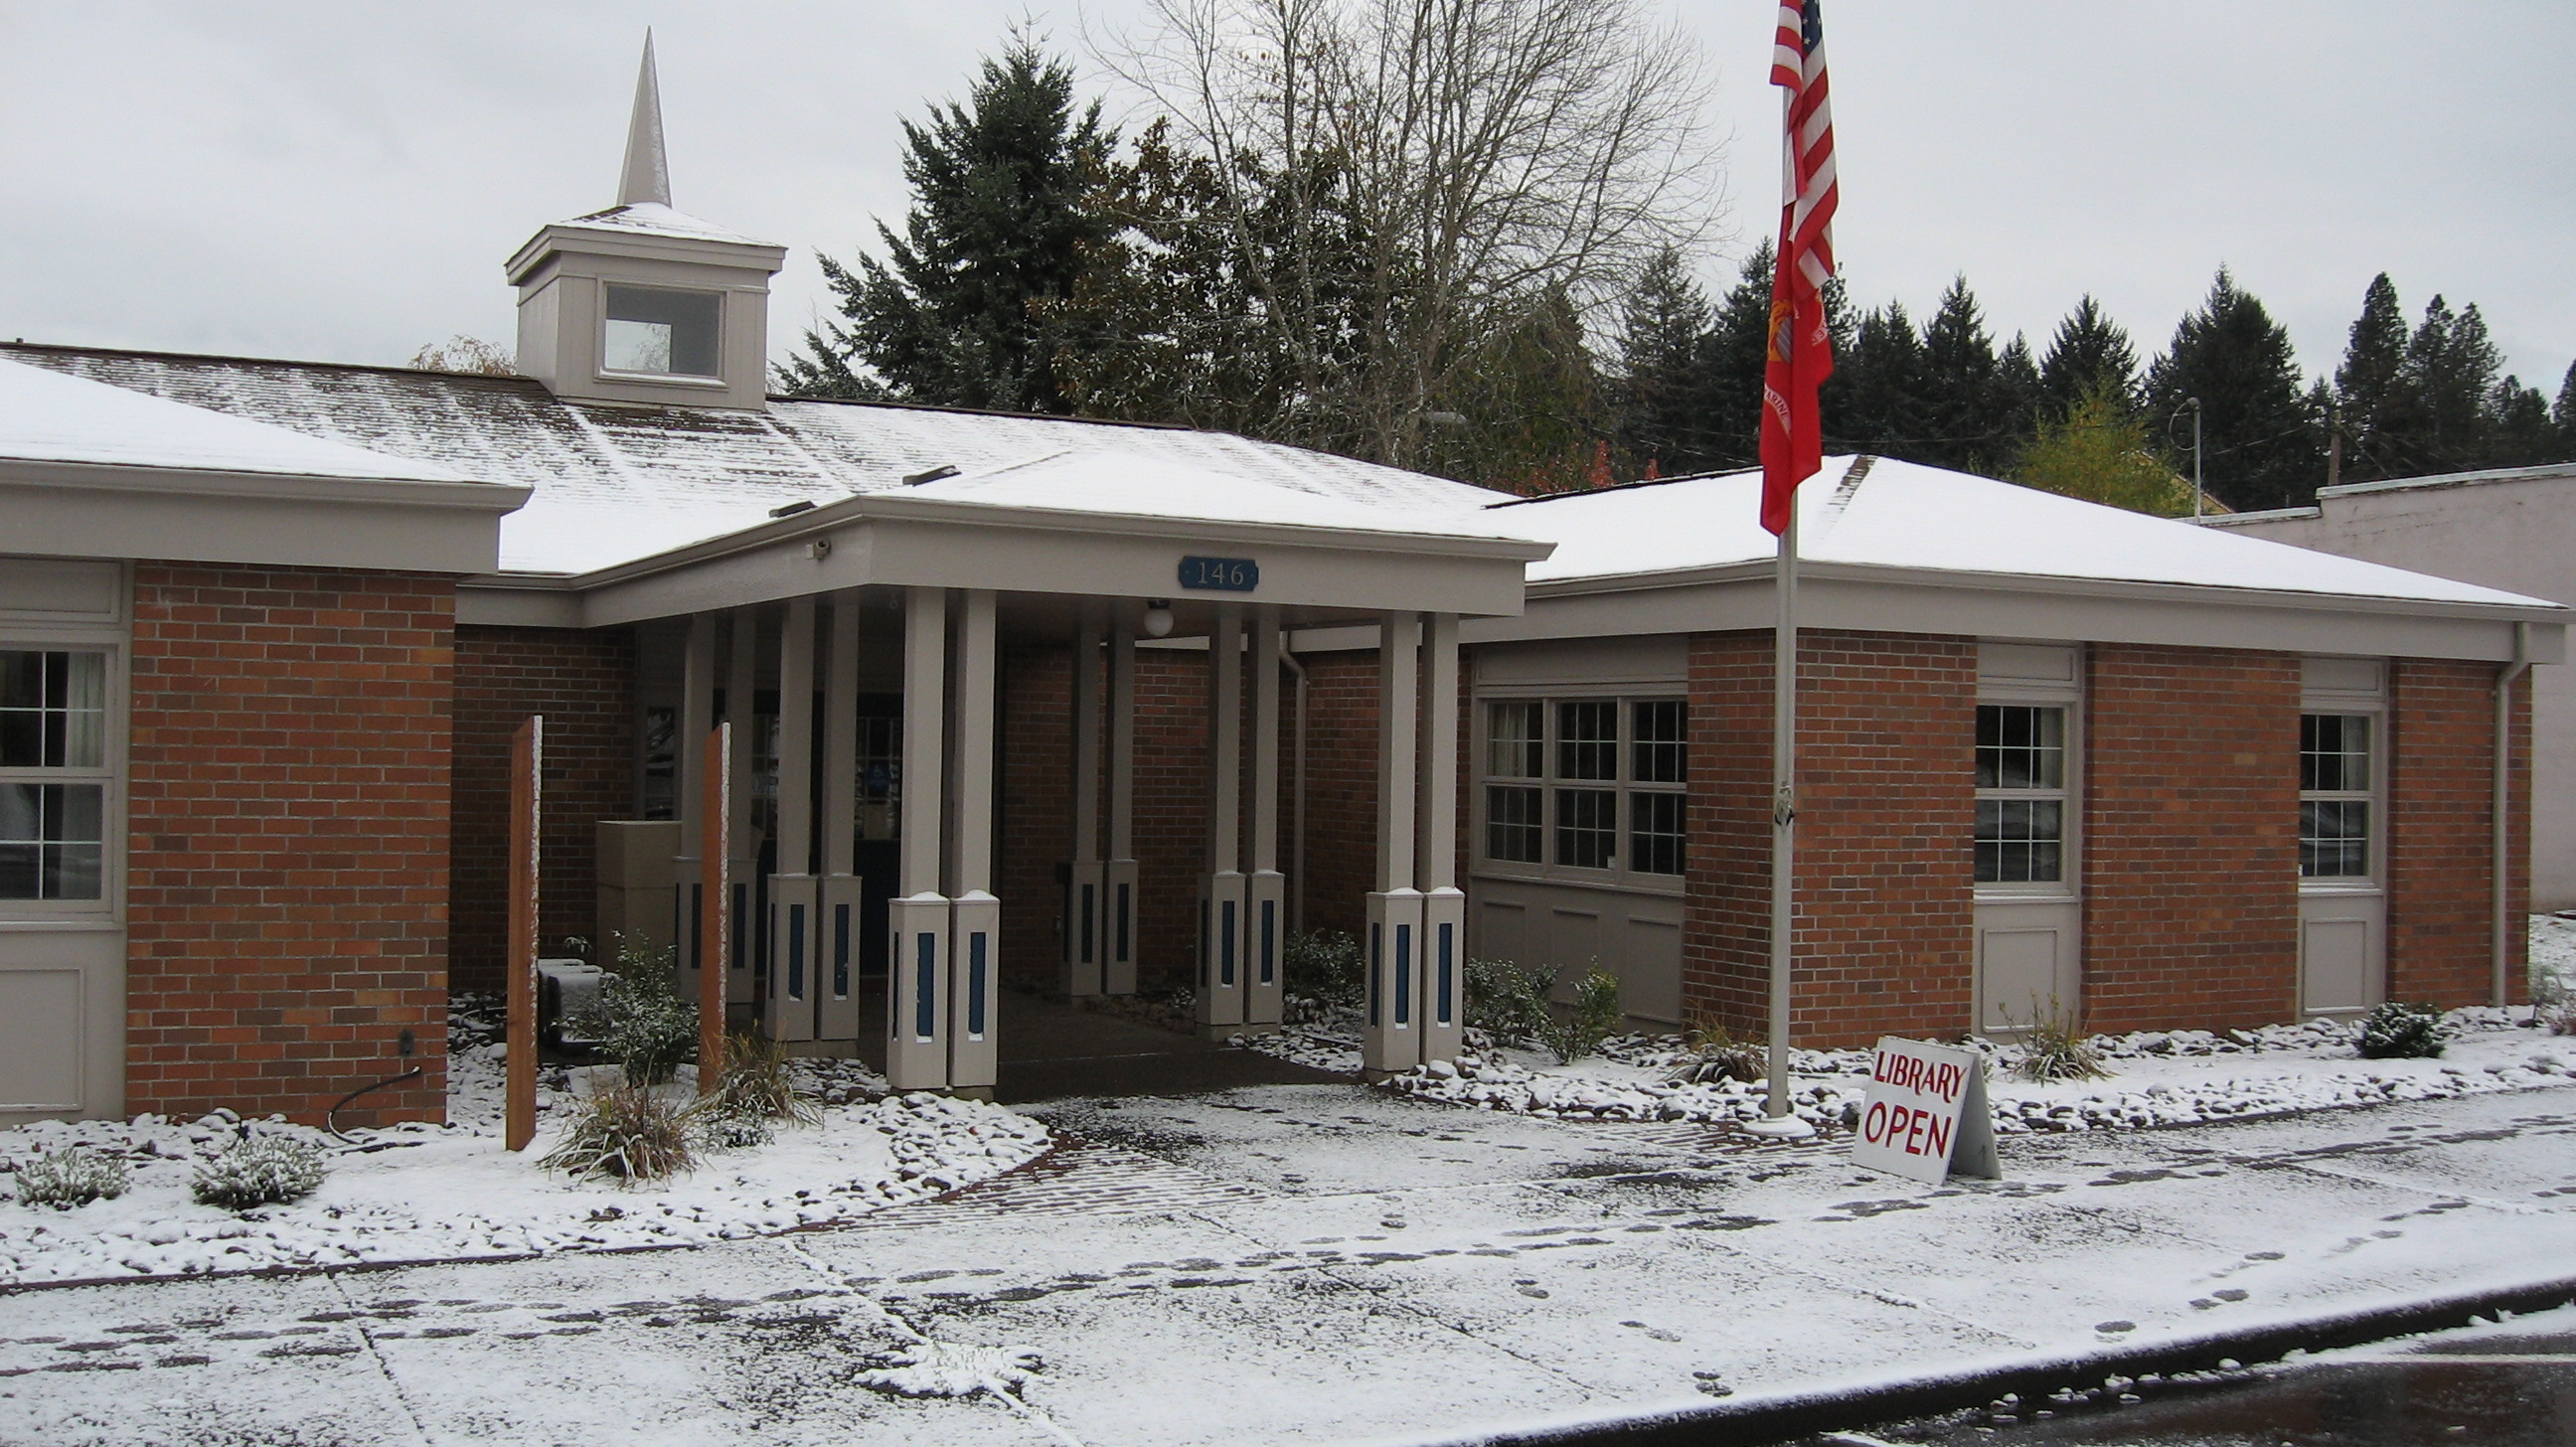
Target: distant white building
2512 528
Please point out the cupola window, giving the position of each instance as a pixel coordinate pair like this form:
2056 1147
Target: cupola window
662 333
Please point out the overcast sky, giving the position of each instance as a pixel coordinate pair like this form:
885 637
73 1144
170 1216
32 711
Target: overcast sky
342 182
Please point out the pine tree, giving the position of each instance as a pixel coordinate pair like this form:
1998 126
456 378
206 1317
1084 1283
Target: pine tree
2519 431
2016 403
1734 355
2370 388
1001 223
2564 414
2088 352
2451 368
2259 430
1958 388
1659 389
1873 401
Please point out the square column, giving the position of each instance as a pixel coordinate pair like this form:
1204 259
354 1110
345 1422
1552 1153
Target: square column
1222 890
697 720
1391 1036
1086 881
975 931
795 896
742 842
918 919
837 920
1442 1008
1118 917
1266 895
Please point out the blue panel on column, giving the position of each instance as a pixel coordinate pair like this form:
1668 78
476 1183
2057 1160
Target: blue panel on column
1088 903
1404 974
1376 967
697 922
1225 946
796 952
894 985
741 936
925 1014
1448 970
975 982
1123 891
1269 940
840 951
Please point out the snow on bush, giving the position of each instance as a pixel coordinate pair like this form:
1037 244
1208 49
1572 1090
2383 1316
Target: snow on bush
70 1177
626 1133
2396 1031
260 1170
949 1369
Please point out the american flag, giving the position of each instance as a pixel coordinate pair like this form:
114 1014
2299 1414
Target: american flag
1802 354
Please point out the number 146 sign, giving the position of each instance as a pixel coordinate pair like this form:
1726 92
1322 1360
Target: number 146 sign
1926 1115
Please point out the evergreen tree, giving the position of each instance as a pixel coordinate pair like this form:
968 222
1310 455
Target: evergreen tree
2089 351
2451 368
2564 414
2371 405
1659 391
1959 388
1734 355
956 313
2519 430
2259 429
1873 401
2016 403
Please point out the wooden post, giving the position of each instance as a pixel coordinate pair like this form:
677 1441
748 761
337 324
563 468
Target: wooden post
519 1093
715 920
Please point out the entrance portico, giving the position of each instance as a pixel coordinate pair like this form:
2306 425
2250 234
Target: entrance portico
910 598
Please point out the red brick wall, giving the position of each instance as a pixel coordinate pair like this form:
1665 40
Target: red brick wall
288 858
1341 788
2440 836
1885 940
2191 822
1035 786
583 681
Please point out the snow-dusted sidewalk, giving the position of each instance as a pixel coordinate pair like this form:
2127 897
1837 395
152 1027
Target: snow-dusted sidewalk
420 1193
1375 1268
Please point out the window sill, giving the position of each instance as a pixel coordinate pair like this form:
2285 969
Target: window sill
2034 894
59 924
1672 885
2370 887
662 379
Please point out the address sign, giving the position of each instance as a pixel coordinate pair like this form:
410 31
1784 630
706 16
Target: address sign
1220 575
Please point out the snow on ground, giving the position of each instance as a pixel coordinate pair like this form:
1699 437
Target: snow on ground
424 1192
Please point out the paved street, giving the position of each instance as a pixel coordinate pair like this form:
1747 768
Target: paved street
1232 1268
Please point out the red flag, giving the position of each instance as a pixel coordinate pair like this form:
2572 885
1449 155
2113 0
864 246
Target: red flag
1801 354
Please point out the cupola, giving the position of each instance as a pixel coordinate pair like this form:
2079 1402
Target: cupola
641 303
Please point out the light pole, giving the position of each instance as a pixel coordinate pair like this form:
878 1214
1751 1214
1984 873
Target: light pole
2198 494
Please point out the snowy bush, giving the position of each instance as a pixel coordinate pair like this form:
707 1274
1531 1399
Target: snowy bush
1508 1001
258 1171
1323 965
2054 1046
1594 1016
1711 1052
2397 1031
626 1133
754 1092
70 1177
641 1021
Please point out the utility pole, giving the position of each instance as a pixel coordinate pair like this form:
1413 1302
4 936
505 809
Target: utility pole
2199 494
2334 444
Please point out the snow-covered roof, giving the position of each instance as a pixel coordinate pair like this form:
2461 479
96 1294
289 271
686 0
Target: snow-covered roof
659 220
1125 482
46 416
613 484
1902 515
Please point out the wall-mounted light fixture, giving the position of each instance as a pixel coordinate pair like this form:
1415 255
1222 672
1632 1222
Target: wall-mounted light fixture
1158 617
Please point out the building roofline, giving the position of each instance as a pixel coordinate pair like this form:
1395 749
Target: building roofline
513 379
1620 487
2453 479
1019 416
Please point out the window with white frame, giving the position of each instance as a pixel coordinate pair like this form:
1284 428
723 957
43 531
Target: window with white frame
2021 793
1591 784
657 331
2335 797
55 774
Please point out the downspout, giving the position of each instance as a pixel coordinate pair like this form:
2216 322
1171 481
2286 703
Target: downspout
2498 939
1297 809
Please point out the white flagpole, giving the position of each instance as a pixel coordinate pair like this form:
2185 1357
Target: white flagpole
1784 809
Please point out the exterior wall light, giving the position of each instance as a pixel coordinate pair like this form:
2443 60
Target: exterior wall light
1158 617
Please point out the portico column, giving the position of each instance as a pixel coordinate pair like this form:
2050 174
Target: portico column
975 933
1391 1038
1266 891
1118 873
697 719
794 899
917 963
837 928
1442 1008
1221 890
742 682
1084 877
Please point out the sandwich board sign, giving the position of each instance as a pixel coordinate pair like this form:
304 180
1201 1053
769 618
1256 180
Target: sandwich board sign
1926 1116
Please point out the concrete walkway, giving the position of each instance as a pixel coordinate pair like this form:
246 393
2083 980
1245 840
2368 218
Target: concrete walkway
1240 1268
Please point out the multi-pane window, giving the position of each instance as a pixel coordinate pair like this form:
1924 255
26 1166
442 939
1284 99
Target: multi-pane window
2334 795
1590 783
53 774
2021 794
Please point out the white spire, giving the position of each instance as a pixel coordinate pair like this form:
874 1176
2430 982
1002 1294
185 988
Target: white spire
648 170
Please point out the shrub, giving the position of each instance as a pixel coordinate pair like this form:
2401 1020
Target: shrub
1594 1017
259 1171
2553 1004
1509 1001
70 1177
626 1133
2396 1031
1324 965
1715 1054
753 1093
641 1021
2053 1046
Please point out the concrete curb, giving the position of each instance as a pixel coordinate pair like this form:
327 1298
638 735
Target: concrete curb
1755 1422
